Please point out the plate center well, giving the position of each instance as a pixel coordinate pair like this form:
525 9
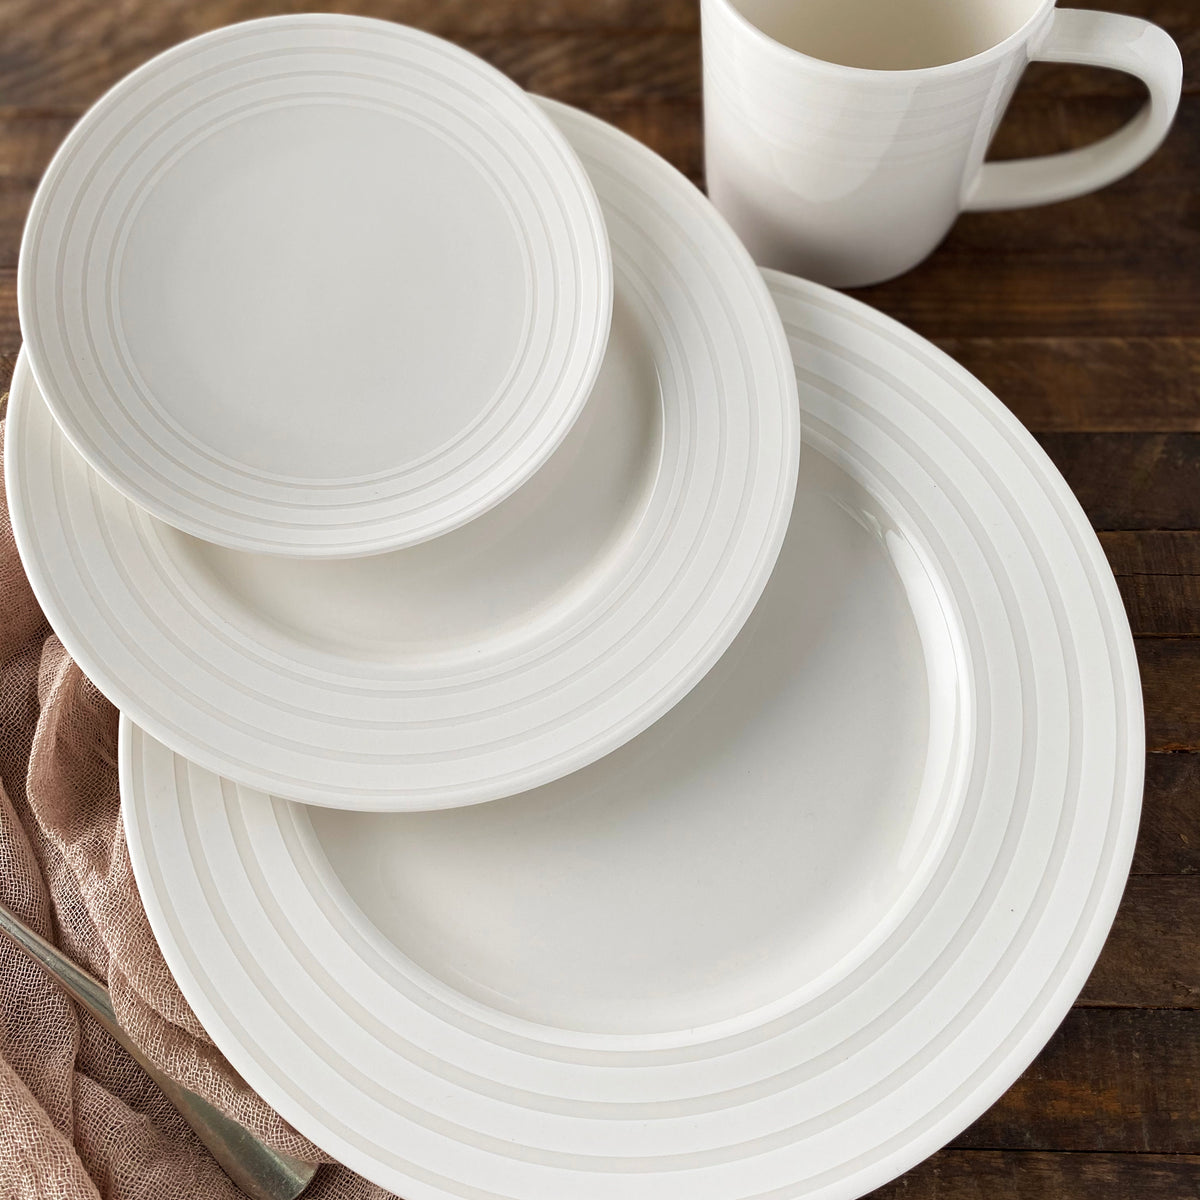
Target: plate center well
511 573
312 272
754 844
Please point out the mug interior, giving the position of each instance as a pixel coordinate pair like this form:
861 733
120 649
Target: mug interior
889 35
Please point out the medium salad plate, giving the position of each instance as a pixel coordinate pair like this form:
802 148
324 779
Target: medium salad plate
315 285
504 654
787 942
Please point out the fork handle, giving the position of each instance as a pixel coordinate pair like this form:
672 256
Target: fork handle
260 1172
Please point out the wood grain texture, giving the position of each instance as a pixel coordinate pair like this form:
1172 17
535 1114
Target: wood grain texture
1169 837
1150 959
1037 1175
1109 1080
567 64
1131 481
1164 553
1170 670
1040 292
1090 384
1158 572
1165 605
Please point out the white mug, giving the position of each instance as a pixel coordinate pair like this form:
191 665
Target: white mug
843 137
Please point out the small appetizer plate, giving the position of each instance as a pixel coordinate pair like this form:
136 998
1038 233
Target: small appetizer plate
315 285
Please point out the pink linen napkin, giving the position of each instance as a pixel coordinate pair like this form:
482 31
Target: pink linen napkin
79 1118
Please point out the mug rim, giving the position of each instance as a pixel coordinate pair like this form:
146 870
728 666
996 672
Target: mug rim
998 50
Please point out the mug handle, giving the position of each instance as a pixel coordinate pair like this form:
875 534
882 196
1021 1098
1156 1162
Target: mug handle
1097 39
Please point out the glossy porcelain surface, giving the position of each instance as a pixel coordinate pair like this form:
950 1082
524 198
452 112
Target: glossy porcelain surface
788 941
504 654
315 285
794 846
843 137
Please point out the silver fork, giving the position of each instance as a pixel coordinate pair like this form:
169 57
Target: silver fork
260 1172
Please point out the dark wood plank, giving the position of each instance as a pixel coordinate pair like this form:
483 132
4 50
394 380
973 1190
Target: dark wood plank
14 206
10 326
1158 572
69 51
1170 670
1131 480
1038 1175
1169 837
579 68
1110 1079
28 137
955 294
568 64
1150 958
1162 605
163 22
1164 553
1092 384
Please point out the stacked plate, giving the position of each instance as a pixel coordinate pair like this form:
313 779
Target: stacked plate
386 441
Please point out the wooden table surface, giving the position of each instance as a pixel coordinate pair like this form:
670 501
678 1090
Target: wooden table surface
1083 317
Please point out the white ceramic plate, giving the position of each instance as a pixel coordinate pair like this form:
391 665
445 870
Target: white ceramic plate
502 655
786 943
315 285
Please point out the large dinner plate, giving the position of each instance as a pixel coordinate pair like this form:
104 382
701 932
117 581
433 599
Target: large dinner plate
787 942
506 653
315 285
